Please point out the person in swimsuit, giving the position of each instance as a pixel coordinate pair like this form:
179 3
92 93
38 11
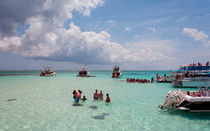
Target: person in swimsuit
79 94
74 94
95 95
108 100
101 95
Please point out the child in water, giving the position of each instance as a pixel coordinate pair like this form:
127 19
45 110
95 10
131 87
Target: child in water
84 99
108 98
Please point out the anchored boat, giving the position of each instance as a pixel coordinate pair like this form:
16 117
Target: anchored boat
48 72
191 76
116 72
84 72
164 79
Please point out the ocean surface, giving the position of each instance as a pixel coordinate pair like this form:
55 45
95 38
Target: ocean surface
31 102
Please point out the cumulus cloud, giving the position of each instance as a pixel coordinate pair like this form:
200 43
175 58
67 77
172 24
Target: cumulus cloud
197 35
17 12
46 38
83 47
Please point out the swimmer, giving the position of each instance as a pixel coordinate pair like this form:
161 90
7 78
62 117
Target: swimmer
79 94
108 98
101 95
95 95
84 99
74 94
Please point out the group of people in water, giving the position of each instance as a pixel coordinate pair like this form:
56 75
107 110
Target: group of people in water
99 96
96 96
77 96
133 80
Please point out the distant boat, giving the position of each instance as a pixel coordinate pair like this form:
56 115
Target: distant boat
116 72
164 79
48 72
84 72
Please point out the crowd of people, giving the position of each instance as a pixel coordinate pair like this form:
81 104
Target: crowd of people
133 80
199 64
96 96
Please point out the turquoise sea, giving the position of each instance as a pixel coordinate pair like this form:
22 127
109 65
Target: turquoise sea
31 102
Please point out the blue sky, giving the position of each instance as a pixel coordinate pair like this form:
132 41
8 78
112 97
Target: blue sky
136 34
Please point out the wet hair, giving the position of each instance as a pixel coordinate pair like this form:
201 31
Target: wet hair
74 91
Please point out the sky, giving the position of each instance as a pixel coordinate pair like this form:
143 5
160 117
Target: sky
134 34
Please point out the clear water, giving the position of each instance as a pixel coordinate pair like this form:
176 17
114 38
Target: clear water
45 103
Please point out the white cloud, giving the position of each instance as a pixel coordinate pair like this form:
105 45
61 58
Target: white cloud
84 47
46 38
197 35
152 29
53 12
127 28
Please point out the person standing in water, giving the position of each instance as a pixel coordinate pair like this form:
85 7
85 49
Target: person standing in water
95 95
108 100
78 94
74 94
101 95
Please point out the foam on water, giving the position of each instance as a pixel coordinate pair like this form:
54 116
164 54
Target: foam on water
45 103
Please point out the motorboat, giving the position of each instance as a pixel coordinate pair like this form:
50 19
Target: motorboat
192 78
48 72
84 72
116 72
192 101
164 79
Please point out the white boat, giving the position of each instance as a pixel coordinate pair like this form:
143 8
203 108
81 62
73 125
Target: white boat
84 72
192 101
191 76
164 79
48 72
116 72
191 79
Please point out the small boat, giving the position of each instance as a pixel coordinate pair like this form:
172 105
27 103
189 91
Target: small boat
116 72
48 72
192 101
84 72
164 79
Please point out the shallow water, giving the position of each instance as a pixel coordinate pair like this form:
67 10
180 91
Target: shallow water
30 102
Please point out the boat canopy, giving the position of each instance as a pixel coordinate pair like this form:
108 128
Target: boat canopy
191 68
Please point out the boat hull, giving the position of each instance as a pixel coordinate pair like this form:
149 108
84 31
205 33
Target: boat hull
49 75
85 76
191 82
198 106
